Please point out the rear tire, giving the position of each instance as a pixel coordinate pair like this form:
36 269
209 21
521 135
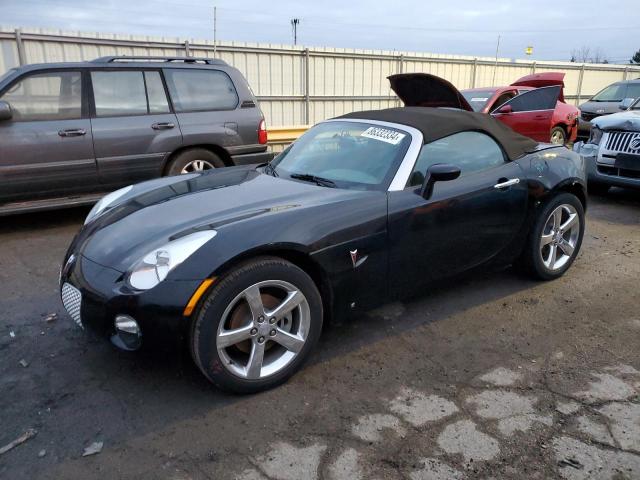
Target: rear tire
555 238
257 326
558 135
193 161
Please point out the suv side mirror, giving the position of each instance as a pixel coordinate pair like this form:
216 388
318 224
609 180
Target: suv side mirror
505 109
5 111
626 103
439 172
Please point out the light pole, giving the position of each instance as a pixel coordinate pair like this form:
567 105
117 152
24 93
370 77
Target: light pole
294 25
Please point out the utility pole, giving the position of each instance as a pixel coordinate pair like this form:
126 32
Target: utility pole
215 30
294 25
495 67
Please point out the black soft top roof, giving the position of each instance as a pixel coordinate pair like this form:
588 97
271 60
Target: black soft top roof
436 123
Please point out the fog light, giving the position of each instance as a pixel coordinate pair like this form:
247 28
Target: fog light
128 335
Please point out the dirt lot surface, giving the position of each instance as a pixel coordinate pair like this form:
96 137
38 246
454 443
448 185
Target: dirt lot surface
492 376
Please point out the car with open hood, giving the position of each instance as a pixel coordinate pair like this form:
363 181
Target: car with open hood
612 153
563 128
246 263
531 112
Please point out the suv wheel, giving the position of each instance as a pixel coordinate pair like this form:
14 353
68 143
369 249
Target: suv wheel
257 325
194 160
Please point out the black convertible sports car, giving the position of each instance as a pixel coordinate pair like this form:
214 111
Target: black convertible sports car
247 262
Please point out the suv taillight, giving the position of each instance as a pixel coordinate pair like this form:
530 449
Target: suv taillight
262 132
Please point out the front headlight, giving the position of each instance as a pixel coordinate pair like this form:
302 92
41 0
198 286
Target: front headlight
106 201
596 136
156 265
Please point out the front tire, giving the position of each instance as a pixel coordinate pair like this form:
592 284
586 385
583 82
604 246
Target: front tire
257 326
558 135
555 238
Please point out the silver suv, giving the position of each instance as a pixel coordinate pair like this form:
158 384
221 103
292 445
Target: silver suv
69 132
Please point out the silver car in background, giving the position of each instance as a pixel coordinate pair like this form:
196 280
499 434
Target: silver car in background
612 153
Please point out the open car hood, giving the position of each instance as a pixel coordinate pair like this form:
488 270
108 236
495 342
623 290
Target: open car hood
425 90
539 80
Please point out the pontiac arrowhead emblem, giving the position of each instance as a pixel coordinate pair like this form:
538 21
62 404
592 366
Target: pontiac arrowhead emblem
354 257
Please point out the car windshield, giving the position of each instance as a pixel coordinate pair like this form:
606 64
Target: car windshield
345 154
477 98
613 93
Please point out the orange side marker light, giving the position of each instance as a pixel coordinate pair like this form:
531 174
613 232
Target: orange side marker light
193 301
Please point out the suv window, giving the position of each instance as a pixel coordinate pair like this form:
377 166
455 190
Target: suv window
46 96
633 90
194 90
470 151
121 93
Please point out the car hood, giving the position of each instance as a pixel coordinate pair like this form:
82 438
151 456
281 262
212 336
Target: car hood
155 212
539 80
628 121
600 108
425 90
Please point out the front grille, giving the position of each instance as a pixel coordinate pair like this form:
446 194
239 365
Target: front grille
618 172
72 300
621 142
587 117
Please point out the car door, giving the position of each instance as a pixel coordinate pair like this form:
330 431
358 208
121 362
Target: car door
531 113
207 106
465 222
134 129
46 147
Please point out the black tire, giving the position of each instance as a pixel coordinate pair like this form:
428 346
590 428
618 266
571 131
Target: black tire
531 261
560 132
205 326
600 189
186 158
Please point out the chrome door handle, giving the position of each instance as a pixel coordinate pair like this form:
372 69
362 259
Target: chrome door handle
162 126
507 183
74 132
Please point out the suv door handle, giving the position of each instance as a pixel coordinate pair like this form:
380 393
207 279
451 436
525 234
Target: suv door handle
74 132
506 183
162 126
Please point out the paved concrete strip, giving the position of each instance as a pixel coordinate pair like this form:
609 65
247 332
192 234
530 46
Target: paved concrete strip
418 408
464 438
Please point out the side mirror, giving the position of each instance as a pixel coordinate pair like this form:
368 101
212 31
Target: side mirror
505 109
440 172
5 111
626 103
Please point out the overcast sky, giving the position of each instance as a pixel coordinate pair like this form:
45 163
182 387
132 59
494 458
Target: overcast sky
466 27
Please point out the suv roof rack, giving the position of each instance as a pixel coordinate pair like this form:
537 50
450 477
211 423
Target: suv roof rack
126 58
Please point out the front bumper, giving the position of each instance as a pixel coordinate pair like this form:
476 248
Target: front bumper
601 173
94 295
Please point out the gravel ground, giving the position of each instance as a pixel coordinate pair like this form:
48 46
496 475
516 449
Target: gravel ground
491 376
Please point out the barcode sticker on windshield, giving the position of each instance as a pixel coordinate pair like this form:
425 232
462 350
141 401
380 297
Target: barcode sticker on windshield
479 99
384 135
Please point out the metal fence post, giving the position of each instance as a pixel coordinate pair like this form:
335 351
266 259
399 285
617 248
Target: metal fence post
187 51
533 68
580 84
307 109
20 45
626 73
401 63
474 70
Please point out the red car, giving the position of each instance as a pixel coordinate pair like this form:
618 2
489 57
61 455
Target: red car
557 126
533 106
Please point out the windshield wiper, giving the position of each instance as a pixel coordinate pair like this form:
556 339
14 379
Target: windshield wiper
323 182
270 170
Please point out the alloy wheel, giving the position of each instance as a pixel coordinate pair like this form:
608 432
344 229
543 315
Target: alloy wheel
263 329
557 137
560 237
196 166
